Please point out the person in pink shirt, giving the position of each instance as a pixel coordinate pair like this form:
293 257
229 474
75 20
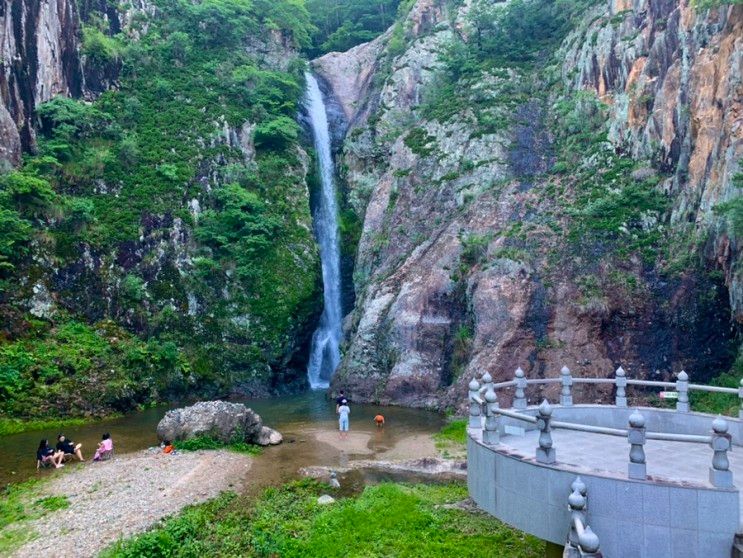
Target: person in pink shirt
105 446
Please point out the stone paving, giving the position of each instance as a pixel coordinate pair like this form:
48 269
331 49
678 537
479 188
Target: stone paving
609 455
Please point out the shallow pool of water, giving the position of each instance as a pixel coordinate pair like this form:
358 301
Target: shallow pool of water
307 421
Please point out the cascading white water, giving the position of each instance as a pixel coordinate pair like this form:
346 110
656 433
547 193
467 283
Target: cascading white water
325 351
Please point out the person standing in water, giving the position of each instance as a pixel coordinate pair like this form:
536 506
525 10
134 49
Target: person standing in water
343 412
340 399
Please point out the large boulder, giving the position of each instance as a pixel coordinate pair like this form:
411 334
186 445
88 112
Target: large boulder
227 422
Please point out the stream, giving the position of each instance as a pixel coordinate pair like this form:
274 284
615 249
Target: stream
307 421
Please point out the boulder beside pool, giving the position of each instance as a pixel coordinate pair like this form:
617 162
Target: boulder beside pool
226 422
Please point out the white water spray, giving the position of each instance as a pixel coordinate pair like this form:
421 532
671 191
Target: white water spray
325 351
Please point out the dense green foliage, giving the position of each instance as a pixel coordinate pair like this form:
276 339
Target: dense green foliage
153 297
77 369
385 520
342 24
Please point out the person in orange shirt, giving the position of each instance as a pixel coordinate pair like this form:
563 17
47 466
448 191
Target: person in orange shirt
168 447
379 420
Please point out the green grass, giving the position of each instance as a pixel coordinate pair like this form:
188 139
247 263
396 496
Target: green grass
455 431
20 503
14 426
719 403
451 440
385 520
209 443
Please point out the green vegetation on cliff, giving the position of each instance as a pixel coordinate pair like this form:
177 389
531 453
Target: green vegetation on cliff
162 234
385 520
342 24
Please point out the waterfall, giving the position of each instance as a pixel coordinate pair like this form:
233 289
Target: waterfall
325 352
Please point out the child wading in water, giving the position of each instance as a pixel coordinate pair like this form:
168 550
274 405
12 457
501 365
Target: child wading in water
343 412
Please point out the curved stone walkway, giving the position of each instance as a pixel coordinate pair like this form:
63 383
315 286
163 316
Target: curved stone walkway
675 462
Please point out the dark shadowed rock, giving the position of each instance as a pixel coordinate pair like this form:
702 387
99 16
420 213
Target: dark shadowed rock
227 422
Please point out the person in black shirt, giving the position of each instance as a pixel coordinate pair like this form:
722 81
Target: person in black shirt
340 399
45 454
68 447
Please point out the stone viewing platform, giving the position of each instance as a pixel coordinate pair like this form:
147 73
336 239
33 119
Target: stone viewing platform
608 480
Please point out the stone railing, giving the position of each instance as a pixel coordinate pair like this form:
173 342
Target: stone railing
566 381
483 399
582 541
641 509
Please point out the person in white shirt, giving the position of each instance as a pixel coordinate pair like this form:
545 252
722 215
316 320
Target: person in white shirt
343 412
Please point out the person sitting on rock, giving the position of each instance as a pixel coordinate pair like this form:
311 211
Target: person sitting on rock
68 447
379 420
46 455
168 447
105 447
343 412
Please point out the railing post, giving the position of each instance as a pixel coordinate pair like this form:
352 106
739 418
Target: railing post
682 387
577 506
636 437
486 382
740 396
475 410
582 541
491 435
720 474
519 398
545 451
566 396
621 383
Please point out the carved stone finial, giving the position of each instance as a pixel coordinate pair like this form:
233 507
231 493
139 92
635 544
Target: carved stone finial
720 425
545 408
578 485
636 420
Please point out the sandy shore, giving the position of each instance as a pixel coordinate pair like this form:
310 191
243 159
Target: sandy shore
127 495
364 443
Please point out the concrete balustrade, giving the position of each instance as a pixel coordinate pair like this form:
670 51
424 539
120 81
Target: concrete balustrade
621 382
582 541
658 504
566 393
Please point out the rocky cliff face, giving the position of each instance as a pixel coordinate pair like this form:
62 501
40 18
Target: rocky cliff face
162 229
40 46
467 261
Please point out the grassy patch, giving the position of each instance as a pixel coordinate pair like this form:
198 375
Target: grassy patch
721 403
451 440
209 443
14 426
20 503
385 520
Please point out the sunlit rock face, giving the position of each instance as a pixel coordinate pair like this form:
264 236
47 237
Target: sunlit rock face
447 284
